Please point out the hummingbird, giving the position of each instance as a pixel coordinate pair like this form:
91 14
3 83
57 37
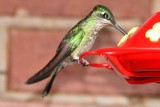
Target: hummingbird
78 40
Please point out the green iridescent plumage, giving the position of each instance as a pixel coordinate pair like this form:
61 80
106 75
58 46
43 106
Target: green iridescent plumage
78 40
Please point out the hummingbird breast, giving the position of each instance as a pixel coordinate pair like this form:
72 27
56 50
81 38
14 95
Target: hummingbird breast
86 43
91 32
89 42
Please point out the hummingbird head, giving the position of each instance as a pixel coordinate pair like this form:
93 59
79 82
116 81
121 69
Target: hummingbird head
105 17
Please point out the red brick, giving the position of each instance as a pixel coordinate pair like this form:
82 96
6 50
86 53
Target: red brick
75 8
32 104
30 50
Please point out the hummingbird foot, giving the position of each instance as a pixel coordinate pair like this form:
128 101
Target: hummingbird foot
84 62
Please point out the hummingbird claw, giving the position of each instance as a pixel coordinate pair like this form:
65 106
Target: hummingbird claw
84 62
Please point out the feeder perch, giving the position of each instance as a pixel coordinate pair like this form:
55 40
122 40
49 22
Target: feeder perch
137 59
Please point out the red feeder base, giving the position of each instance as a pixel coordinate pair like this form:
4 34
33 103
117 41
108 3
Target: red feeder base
138 59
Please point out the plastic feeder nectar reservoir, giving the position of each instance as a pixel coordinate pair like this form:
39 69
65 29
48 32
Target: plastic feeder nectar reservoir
137 58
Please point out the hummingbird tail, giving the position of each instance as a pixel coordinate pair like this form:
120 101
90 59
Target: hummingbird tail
43 73
50 82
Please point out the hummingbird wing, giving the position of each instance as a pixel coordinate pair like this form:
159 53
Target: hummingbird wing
69 43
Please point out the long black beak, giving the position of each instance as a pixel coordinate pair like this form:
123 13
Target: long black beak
120 29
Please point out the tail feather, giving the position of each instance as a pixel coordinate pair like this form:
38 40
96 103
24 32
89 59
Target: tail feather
36 78
47 70
50 82
43 73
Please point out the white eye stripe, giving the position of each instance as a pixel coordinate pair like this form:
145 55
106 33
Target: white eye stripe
103 13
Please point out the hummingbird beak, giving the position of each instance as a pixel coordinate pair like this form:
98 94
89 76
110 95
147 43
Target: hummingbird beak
119 28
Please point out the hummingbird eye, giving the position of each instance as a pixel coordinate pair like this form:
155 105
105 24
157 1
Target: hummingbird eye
105 16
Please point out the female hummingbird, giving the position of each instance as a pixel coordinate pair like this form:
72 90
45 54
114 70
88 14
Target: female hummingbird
78 40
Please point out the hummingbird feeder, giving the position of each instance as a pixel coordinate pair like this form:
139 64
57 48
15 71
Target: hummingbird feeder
138 58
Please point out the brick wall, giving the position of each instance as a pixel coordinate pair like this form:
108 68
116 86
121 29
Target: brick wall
30 32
